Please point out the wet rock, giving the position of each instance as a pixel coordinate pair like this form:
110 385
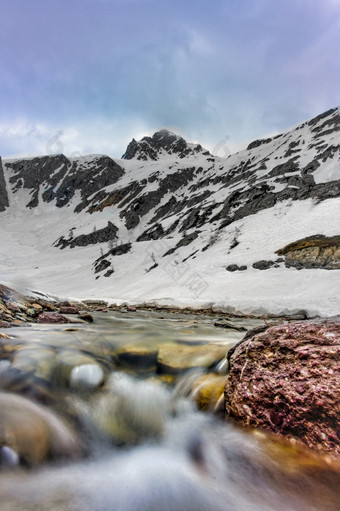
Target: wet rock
95 303
287 380
69 310
86 316
226 323
72 370
137 357
36 306
208 392
175 358
49 306
8 457
33 432
86 377
38 361
52 317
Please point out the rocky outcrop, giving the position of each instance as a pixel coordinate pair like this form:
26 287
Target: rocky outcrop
34 433
108 233
150 148
3 191
317 251
287 380
58 178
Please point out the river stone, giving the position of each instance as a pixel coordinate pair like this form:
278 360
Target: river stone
86 316
38 361
287 380
137 357
208 392
36 306
9 346
52 317
35 433
226 323
8 457
69 310
174 358
67 371
87 377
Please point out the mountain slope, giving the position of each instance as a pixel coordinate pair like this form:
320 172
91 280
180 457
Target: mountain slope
172 223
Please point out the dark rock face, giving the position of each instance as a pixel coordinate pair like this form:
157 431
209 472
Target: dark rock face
317 251
102 263
287 380
150 148
108 233
43 174
3 191
258 143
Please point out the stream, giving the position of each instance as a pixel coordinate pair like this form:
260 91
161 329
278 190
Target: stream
126 414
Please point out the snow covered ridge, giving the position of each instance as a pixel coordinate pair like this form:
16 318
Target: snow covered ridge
171 223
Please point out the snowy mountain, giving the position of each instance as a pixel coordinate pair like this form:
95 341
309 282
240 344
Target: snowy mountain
170 223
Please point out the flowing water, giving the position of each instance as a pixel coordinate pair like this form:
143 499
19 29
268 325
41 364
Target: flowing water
104 417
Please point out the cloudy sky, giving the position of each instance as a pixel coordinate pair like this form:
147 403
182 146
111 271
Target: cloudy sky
84 76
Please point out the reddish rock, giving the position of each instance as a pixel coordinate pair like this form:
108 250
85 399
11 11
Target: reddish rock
69 309
131 308
287 380
52 317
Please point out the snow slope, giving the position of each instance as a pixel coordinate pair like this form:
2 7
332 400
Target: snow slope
165 222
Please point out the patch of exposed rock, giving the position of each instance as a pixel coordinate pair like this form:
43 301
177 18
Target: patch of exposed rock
317 251
287 380
3 191
149 148
106 234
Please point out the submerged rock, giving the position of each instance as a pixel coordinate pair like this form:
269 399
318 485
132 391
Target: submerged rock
287 380
207 392
33 433
137 357
175 358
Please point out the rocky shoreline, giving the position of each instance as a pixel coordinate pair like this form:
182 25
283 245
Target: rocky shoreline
17 309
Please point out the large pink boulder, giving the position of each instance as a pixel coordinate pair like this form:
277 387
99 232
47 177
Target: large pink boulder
287 380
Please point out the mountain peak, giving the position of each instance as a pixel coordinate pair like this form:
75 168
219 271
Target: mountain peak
162 142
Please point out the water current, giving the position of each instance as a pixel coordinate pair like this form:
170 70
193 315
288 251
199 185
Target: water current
103 416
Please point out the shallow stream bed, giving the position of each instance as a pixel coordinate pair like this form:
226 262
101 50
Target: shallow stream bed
104 416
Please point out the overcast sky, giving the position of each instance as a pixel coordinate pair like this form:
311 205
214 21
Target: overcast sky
85 76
